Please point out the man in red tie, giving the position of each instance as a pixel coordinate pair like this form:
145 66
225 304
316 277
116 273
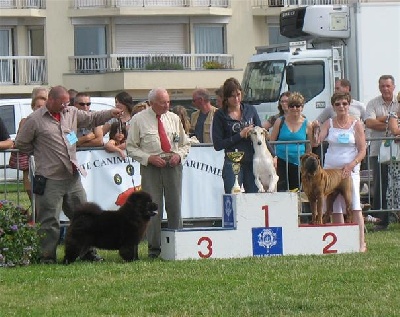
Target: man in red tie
157 140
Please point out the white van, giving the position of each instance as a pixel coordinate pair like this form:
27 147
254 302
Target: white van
13 110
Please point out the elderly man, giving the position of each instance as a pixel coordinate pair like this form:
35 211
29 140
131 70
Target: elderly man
50 134
377 116
201 119
87 137
157 140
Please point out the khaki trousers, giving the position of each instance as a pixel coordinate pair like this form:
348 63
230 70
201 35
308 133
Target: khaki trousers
164 185
58 195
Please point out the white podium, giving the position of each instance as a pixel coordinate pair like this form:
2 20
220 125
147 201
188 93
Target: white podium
263 224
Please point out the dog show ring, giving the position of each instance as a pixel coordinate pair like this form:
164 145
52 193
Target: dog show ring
235 158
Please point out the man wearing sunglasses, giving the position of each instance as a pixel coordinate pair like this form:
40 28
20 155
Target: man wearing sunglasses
87 137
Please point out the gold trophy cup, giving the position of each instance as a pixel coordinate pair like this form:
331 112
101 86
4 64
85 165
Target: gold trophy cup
235 158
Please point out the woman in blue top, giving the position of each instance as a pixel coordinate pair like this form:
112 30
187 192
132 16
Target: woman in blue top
294 128
231 126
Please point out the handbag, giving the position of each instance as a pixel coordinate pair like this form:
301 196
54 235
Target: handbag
19 161
389 151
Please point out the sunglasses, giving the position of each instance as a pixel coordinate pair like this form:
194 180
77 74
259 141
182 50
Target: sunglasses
295 106
337 104
82 104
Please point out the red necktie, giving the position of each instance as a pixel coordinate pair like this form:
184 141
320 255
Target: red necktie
165 145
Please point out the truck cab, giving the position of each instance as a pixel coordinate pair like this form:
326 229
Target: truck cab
309 66
308 72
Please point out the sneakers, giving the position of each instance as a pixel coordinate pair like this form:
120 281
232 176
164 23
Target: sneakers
372 219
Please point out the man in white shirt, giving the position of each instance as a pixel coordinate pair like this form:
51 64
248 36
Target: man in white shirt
160 168
377 115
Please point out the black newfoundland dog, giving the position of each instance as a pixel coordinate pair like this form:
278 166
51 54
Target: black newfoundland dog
111 230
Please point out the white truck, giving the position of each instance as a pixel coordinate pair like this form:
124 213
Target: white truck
359 41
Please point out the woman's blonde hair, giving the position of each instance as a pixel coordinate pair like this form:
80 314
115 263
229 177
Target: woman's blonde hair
139 107
182 113
296 98
33 103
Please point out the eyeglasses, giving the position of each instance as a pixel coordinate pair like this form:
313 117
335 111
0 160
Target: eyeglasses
195 99
82 104
297 106
344 104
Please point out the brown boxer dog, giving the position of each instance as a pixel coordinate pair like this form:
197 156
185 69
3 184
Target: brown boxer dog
319 183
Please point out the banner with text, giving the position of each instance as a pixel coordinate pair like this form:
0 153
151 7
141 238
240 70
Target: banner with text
109 175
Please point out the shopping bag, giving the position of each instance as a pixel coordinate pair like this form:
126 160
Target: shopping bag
19 161
389 152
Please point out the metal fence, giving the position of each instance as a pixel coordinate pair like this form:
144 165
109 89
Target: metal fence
366 181
123 62
10 178
23 70
78 4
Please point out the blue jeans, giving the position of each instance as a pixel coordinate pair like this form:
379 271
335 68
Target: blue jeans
246 177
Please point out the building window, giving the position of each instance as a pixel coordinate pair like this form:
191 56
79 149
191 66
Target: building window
209 39
36 41
6 65
90 40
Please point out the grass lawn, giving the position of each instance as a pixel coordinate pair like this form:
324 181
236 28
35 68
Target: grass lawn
325 285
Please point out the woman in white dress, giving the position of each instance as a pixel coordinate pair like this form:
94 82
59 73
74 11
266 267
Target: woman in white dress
347 148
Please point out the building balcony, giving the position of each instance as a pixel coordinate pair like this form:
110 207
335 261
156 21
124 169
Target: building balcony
23 70
140 72
129 62
89 8
22 8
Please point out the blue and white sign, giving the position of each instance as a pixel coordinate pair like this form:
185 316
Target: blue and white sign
267 241
228 220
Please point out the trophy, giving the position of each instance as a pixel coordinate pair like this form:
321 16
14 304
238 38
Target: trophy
235 158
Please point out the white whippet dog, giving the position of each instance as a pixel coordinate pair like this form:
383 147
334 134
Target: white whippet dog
263 162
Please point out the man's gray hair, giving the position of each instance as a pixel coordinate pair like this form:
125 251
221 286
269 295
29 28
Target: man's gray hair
154 92
386 77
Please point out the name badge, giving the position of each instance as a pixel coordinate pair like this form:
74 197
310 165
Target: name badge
343 138
71 137
175 137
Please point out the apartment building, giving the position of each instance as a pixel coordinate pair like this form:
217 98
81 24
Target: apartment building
105 46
